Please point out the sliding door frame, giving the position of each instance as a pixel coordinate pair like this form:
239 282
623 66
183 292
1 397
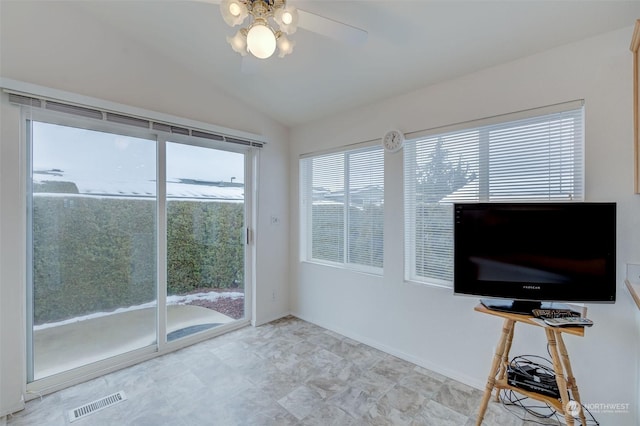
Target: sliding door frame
35 388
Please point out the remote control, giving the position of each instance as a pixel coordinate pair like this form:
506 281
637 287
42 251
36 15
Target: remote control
569 322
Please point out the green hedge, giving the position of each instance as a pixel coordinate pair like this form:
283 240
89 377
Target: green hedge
98 254
205 245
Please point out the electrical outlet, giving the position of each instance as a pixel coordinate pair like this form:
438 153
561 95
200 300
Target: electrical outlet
633 272
275 220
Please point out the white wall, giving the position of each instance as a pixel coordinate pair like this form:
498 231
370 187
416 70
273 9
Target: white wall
105 65
12 269
429 325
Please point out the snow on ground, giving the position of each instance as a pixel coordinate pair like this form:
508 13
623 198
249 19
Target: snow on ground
171 300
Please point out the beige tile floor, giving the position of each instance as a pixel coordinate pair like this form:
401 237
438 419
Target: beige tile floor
288 372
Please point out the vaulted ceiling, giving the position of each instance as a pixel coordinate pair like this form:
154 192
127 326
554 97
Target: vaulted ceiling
411 44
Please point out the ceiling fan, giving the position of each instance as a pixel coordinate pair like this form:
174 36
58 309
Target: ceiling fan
271 21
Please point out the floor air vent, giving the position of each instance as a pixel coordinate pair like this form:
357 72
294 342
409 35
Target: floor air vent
97 405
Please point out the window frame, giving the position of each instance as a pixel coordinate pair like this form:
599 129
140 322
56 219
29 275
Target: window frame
306 208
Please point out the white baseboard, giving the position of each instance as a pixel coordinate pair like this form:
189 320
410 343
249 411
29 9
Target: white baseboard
9 410
267 320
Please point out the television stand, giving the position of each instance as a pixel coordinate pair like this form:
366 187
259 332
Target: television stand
561 365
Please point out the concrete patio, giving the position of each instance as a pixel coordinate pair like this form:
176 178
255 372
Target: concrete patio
61 348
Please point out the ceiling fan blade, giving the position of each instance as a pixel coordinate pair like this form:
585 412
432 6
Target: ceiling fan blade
333 29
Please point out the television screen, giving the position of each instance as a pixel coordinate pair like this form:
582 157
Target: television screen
535 252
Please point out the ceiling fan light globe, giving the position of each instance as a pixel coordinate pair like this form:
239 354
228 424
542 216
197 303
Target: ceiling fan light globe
287 19
261 41
233 12
234 9
285 46
238 43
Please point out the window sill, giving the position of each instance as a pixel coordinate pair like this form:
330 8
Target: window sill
367 271
438 285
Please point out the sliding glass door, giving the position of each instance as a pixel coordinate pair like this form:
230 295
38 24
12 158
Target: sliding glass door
92 233
205 206
135 242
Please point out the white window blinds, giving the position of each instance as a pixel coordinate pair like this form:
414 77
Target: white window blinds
129 120
342 208
539 157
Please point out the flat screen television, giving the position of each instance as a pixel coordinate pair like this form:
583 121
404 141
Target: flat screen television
524 256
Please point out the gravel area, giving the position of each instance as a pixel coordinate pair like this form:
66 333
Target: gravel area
231 307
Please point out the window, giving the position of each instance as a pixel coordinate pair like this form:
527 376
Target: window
342 208
535 155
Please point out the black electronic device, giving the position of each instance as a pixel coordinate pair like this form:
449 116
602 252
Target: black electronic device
554 313
525 256
532 379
